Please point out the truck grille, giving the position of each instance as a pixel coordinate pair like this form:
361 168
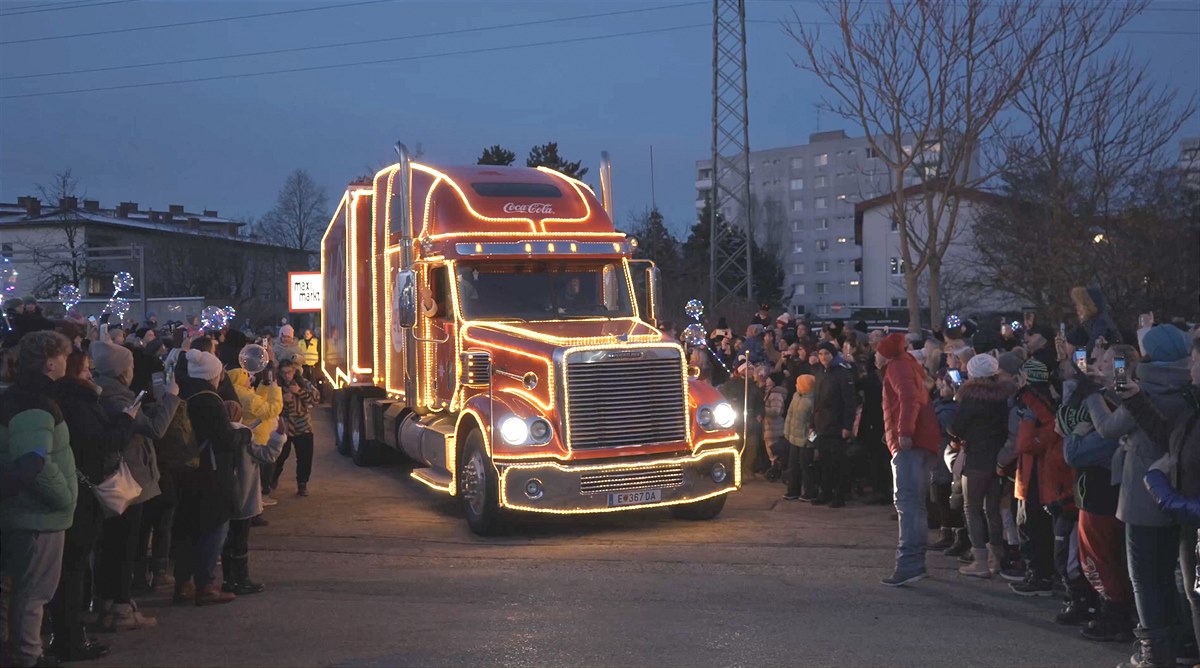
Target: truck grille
628 480
620 401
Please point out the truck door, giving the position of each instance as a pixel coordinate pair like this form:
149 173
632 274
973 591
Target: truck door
440 334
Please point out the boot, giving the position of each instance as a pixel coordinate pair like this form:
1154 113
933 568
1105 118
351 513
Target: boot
945 541
1076 610
212 595
1110 625
995 559
1153 650
979 567
185 592
126 617
960 546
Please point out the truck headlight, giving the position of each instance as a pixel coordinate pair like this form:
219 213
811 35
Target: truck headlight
724 415
514 431
705 417
539 430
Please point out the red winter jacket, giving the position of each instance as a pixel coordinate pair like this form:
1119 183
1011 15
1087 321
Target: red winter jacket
1039 445
907 410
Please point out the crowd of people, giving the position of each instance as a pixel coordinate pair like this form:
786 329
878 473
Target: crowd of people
135 460
1064 460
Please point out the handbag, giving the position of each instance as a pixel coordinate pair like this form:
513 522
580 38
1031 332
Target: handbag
117 491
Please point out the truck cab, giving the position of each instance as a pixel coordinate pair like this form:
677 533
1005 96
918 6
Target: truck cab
487 322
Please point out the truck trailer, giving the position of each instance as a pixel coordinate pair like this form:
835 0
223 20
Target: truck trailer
490 323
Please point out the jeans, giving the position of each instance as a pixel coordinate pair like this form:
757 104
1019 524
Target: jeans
1152 553
208 550
835 478
303 444
981 505
910 471
1187 560
117 552
32 560
235 557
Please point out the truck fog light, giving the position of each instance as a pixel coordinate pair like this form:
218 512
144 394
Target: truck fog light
719 473
514 431
533 489
539 430
724 415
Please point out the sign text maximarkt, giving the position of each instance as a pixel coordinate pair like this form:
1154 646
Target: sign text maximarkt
304 291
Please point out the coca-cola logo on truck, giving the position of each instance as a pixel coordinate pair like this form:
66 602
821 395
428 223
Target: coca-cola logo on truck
534 208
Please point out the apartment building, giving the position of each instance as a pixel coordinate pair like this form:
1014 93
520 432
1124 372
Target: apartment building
804 198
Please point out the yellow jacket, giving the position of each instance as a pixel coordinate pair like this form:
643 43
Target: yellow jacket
264 403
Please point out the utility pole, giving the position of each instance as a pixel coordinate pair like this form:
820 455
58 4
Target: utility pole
731 230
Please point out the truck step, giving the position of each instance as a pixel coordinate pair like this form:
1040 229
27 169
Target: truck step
437 478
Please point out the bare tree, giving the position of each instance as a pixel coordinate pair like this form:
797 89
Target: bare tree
300 215
62 260
926 82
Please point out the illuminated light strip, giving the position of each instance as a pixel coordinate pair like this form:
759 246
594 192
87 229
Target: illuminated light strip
358 369
737 482
517 351
557 235
428 206
325 320
417 475
386 223
331 380
463 196
629 286
576 181
525 247
452 281
567 395
609 339
571 182
709 441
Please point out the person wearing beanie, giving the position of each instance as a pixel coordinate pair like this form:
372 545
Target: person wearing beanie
287 347
835 407
114 373
980 430
1163 383
763 316
802 483
774 410
957 358
912 435
1010 365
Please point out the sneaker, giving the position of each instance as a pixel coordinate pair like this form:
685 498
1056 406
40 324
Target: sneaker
88 650
807 499
258 521
898 580
247 587
268 502
126 617
302 489
791 497
1076 612
1032 587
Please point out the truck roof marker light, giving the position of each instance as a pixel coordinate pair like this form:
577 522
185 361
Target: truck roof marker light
550 247
478 248
574 247
528 248
617 247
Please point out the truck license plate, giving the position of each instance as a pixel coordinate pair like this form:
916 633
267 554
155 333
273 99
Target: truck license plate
634 498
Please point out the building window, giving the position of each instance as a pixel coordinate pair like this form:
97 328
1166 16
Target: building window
797 226
798 248
823 224
895 225
820 202
797 184
871 153
7 251
821 159
822 244
797 205
900 302
820 182
822 267
797 163
822 288
897 267
799 292
705 174
798 268
841 240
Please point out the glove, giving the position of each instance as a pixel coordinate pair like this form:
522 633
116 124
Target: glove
1166 464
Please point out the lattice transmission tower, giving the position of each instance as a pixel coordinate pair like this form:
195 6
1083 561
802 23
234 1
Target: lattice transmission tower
730 211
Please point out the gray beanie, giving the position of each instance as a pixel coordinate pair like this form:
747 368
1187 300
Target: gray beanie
110 360
1010 363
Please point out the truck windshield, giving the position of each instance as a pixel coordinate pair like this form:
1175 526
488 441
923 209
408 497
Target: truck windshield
544 290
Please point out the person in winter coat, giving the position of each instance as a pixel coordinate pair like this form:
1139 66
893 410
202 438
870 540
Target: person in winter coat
206 496
835 407
1152 537
954 540
96 438
774 410
980 428
262 403
34 518
869 431
1101 534
913 437
299 396
800 482
114 367
1092 310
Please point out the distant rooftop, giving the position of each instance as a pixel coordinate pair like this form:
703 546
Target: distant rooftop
174 219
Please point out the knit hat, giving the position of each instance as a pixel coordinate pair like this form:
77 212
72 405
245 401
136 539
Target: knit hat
982 366
1035 371
1009 362
1078 337
1069 417
202 365
1165 343
804 384
110 360
829 346
778 378
286 330
784 317
892 346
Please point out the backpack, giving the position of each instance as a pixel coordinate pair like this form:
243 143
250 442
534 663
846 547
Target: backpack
178 449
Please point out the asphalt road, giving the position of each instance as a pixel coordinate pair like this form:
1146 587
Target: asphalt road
373 569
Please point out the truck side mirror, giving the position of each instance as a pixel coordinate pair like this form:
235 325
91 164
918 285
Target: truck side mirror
646 285
404 299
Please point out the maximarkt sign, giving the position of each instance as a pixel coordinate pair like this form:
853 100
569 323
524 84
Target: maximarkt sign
304 291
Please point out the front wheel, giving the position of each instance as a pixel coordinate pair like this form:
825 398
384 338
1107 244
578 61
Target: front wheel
362 451
339 422
700 510
479 488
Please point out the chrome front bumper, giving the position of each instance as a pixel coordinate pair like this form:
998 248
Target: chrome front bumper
585 488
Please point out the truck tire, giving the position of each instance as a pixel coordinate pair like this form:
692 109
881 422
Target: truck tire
700 510
362 451
479 488
338 402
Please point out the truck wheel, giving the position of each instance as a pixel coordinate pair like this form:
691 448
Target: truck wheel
479 488
362 451
339 422
700 510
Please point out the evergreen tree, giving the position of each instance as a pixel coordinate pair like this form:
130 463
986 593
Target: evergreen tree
496 155
546 155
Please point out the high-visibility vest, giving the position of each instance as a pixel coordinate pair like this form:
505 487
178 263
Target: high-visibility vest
312 353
